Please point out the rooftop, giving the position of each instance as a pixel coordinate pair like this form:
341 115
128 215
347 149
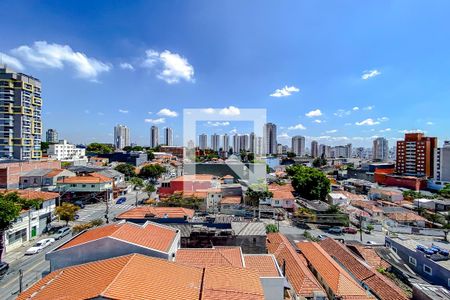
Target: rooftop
231 200
147 212
32 195
207 257
197 177
150 235
249 228
264 264
405 216
88 178
283 192
337 279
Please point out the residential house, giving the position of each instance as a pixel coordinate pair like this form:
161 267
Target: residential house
43 178
251 236
231 205
11 170
337 199
98 161
405 218
32 222
87 187
113 240
188 183
386 194
338 283
282 196
137 276
159 214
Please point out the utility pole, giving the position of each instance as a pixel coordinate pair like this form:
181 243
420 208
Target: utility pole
107 206
360 228
20 280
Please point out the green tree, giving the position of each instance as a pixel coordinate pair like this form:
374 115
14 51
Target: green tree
99 148
44 146
291 154
370 228
66 212
251 156
319 162
256 192
137 182
150 155
152 171
309 183
11 204
149 188
445 192
271 228
126 169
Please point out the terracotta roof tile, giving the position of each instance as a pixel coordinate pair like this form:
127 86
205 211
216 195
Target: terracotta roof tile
143 212
297 272
405 216
264 264
231 200
369 255
281 192
381 286
150 235
53 173
206 257
339 281
31 194
88 178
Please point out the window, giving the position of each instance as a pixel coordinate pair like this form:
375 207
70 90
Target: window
427 270
84 185
92 185
413 261
73 185
394 249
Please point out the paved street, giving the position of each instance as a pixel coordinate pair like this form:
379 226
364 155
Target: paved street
35 266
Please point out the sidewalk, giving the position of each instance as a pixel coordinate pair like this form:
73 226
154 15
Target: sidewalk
15 254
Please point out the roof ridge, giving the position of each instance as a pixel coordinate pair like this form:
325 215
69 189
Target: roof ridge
118 274
220 252
46 284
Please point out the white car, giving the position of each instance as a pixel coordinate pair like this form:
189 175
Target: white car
371 243
39 246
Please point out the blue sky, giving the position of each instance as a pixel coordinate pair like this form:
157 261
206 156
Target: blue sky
343 71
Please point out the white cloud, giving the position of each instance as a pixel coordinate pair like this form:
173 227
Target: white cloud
367 122
150 113
383 119
44 55
331 131
283 136
123 111
370 107
285 91
230 111
127 66
167 113
11 62
369 74
209 110
217 124
297 127
155 121
317 121
172 67
233 131
342 113
355 108
412 131
430 123
385 130
314 113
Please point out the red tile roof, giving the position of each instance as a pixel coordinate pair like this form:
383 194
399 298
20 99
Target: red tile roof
231 200
144 212
150 235
281 192
381 286
88 178
297 273
405 217
206 257
53 173
264 264
31 194
336 278
369 255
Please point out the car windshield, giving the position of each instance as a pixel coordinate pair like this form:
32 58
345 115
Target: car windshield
39 244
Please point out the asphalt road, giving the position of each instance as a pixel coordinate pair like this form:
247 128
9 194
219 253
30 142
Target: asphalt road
35 266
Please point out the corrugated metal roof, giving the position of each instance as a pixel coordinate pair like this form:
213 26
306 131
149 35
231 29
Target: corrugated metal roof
249 228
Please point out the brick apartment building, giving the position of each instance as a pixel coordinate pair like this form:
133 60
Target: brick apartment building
11 170
415 155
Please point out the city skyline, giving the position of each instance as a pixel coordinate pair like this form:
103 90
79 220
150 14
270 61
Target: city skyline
343 97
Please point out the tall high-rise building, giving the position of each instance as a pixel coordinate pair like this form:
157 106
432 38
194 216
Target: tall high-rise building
226 142
244 142
298 145
202 141
341 151
168 136
314 149
236 143
20 112
154 136
215 142
442 163
121 136
252 142
270 138
380 150
415 155
51 136
259 146
324 150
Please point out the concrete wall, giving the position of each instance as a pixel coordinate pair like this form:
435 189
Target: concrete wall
96 250
273 288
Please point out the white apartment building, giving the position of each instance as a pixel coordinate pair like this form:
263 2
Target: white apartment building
298 145
66 152
121 136
442 163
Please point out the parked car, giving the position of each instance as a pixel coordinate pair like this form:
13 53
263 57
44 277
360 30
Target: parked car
62 232
350 230
121 200
39 246
321 236
4 267
79 203
371 243
335 230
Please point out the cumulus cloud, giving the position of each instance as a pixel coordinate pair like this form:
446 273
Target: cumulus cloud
297 127
367 122
285 91
383 119
430 123
209 110
412 131
370 74
230 111
217 124
127 66
123 111
11 62
355 108
167 113
331 131
370 107
283 136
155 121
171 67
317 121
314 113
385 130
44 55
342 113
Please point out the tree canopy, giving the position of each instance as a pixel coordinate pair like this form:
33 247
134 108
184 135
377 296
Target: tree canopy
257 191
137 182
99 148
126 169
309 183
445 192
152 171
319 162
66 212
133 148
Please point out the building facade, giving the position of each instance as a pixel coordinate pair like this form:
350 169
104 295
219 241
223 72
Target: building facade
154 136
415 155
226 142
202 141
51 136
380 150
121 136
442 163
270 138
65 151
314 149
298 145
215 142
168 136
20 114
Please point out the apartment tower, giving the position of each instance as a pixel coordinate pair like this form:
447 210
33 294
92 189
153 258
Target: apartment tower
415 155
